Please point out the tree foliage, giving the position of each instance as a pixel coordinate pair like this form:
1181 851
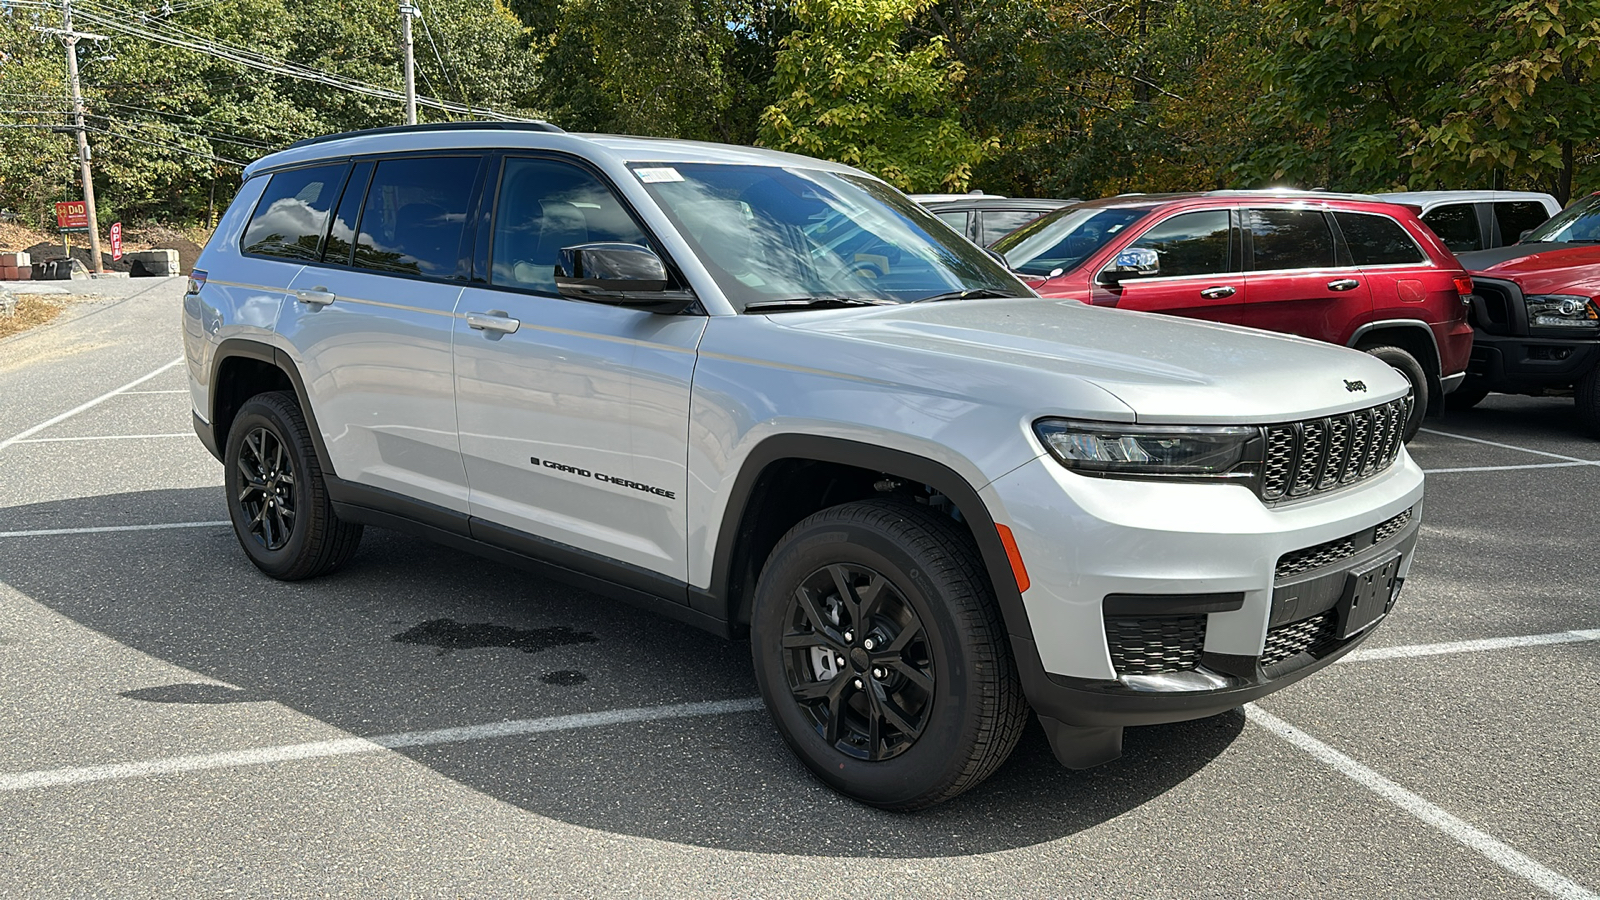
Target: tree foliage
852 88
1443 93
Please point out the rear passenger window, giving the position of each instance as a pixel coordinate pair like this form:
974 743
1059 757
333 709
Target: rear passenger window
1291 239
1517 216
956 220
414 214
1378 240
1190 244
997 223
293 213
545 205
1456 225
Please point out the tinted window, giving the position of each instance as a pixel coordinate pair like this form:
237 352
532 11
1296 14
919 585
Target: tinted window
1456 225
1291 239
293 213
1377 240
1579 223
956 220
544 206
341 237
1517 216
997 223
1190 244
414 214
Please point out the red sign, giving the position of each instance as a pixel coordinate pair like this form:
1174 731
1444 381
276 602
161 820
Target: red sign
72 215
116 240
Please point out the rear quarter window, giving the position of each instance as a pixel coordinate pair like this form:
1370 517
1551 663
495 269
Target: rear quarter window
292 215
1376 240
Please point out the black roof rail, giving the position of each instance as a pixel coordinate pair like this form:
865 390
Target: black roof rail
430 126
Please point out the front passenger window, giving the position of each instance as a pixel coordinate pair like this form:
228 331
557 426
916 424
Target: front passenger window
544 206
1193 243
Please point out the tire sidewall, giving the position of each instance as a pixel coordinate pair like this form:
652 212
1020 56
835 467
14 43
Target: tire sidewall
939 752
261 414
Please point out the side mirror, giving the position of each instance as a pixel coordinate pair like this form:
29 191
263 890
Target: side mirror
619 274
1135 262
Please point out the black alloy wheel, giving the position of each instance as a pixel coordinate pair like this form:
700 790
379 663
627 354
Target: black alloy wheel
268 492
277 497
858 663
881 655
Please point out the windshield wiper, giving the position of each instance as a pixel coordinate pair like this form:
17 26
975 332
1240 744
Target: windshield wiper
800 303
974 294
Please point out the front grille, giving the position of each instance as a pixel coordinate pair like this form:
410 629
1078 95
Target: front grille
1329 552
1316 455
1152 645
1316 635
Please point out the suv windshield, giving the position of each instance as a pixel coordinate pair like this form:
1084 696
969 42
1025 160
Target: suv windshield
1577 224
1062 240
784 237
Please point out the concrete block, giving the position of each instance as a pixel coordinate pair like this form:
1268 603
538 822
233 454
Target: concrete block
8 273
14 260
24 273
152 263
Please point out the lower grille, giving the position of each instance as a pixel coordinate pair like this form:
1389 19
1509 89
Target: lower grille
1329 552
1155 645
1316 635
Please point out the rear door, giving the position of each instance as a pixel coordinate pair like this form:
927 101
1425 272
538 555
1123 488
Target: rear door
372 323
1299 281
1200 275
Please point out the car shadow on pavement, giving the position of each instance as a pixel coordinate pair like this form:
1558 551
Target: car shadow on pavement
412 636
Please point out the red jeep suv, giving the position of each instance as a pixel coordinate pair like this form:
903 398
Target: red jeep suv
1346 269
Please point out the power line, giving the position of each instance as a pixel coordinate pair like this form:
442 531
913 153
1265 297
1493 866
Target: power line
176 148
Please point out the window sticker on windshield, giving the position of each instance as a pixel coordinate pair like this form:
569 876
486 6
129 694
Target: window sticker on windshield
658 176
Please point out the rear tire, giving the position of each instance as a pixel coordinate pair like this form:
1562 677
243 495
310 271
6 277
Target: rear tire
1406 364
277 498
891 597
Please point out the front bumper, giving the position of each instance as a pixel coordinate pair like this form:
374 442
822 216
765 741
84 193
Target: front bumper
1225 599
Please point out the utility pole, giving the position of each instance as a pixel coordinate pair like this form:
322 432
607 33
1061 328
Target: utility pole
407 12
70 38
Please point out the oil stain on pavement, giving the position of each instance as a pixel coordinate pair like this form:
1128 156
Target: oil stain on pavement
448 635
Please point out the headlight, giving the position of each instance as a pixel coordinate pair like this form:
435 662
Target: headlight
1562 311
1227 453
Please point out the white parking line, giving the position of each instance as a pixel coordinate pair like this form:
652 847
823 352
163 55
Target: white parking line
91 404
102 529
1462 437
176 391
348 746
1495 850
1559 465
102 437
1477 646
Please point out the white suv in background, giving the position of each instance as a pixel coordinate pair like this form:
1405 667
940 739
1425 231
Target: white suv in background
1478 220
766 394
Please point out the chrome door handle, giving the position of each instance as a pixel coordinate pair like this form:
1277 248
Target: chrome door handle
319 296
1217 293
1343 284
493 320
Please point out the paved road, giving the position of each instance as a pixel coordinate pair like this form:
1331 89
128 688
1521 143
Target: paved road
424 723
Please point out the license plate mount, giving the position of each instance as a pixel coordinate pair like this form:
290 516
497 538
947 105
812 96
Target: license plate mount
1368 594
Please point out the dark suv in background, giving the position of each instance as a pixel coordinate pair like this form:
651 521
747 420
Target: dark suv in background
1536 309
1345 269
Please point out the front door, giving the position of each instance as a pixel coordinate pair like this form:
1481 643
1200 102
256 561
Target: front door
1199 274
573 415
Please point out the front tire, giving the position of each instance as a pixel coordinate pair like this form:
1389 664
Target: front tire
1406 364
881 656
276 495
1587 394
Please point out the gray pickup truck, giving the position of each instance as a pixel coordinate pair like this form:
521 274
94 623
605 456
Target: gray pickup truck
770 396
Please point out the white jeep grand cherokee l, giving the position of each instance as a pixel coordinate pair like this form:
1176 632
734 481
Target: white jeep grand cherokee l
766 394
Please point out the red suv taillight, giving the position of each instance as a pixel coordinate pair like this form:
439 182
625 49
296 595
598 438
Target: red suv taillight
1463 285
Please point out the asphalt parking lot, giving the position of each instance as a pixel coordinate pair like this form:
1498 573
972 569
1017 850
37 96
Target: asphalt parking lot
424 723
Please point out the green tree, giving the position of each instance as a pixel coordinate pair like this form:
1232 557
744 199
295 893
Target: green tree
1486 93
853 88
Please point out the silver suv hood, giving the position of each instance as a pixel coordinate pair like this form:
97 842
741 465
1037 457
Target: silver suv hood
1166 369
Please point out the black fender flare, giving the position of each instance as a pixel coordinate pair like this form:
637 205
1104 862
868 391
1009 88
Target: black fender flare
245 348
899 463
